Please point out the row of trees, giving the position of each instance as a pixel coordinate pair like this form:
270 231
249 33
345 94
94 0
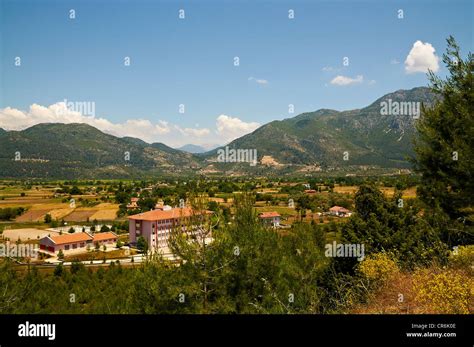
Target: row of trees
10 213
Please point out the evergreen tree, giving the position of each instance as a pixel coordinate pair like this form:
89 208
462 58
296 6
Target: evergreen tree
386 225
445 144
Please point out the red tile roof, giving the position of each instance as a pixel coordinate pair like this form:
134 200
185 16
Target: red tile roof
70 238
268 215
339 209
104 236
164 214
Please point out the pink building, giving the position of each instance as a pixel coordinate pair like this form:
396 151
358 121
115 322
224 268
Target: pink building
105 238
66 242
76 241
156 226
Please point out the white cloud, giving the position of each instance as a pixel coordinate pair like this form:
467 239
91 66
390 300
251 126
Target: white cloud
394 62
196 132
13 119
162 127
345 81
229 128
258 80
421 58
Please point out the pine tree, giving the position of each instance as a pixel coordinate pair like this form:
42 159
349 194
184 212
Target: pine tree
383 225
446 139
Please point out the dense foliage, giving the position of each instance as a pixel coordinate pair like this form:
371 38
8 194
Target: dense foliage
445 144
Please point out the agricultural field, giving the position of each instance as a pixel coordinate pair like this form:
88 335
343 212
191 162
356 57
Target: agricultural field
42 201
388 191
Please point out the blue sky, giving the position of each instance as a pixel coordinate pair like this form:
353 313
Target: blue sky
191 61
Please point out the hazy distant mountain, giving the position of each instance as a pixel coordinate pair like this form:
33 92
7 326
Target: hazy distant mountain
323 139
193 149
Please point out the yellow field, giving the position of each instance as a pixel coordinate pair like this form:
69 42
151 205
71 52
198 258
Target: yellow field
346 189
388 191
50 206
37 211
282 210
410 193
105 211
60 213
219 200
268 190
38 208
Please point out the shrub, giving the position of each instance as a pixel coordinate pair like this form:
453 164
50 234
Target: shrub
58 270
378 269
47 218
462 258
447 291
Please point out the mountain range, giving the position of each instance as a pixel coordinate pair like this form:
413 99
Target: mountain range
190 148
318 141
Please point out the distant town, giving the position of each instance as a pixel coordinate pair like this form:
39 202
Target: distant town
106 221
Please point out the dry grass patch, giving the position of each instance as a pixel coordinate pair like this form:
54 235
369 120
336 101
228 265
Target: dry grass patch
60 213
346 189
79 215
32 216
110 214
426 291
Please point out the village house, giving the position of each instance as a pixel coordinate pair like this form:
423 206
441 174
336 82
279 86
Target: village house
339 211
133 204
310 191
76 241
156 226
270 218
